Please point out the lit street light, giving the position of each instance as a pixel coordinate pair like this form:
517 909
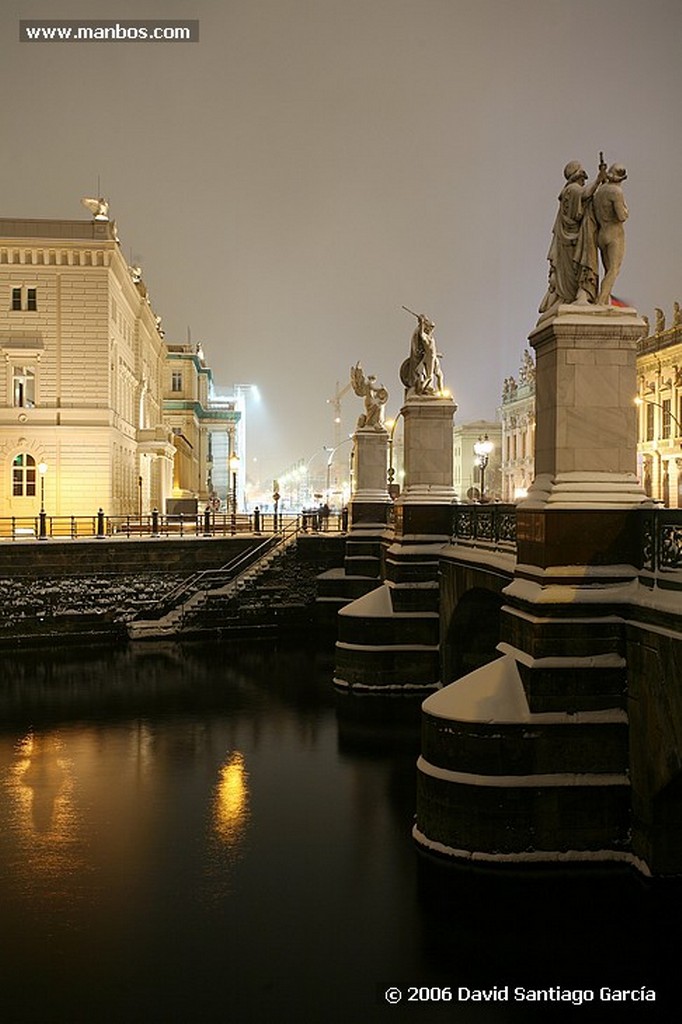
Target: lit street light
482 449
42 524
234 466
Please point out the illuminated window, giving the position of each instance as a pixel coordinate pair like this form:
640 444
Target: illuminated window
23 387
649 422
24 476
176 380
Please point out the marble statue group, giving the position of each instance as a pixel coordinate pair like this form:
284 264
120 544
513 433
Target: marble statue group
588 224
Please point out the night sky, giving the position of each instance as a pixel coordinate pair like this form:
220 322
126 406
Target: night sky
292 179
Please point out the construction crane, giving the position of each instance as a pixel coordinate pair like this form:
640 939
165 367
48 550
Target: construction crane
335 402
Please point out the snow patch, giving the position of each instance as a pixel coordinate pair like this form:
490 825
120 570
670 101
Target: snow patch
533 856
549 779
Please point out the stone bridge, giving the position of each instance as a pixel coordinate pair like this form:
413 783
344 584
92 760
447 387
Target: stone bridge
592 766
563 740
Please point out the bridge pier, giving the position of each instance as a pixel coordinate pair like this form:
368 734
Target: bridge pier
388 640
528 758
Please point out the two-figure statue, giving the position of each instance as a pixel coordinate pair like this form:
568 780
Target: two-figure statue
375 396
420 373
589 222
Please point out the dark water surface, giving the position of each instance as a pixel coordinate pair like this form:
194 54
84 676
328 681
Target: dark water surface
208 833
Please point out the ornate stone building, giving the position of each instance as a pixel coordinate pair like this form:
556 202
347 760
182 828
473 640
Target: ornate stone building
86 379
517 415
659 385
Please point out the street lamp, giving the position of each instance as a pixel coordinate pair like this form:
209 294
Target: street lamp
639 401
482 449
234 466
42 519
332 453
393 488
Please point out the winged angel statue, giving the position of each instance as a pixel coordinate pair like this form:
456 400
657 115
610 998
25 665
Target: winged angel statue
375 396
99 208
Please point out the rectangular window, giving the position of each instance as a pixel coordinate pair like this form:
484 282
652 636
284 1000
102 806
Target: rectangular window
666 418
649 421
176 380
23 387
16 298
31 299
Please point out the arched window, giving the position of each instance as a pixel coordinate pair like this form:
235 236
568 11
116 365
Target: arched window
24 476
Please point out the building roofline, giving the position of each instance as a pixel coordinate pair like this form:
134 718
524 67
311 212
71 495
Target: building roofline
54 228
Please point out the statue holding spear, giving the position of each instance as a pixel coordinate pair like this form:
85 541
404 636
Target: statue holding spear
421 373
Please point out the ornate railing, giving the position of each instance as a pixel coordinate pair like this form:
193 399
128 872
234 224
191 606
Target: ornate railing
661 540
491 525
660 537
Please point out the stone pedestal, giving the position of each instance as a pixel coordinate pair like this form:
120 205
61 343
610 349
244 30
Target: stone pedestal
586 384
369 503
370 500
424 507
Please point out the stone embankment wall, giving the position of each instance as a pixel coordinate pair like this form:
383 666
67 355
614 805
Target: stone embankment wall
92 589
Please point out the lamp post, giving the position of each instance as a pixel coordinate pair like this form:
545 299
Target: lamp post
234 466
332 453
42 519
393 488
482 449
639 401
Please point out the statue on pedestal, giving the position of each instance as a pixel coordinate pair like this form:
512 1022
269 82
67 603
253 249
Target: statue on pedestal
573 261
421 373
588 224
611 213
375 396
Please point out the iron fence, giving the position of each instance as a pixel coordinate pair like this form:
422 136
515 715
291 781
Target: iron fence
154 524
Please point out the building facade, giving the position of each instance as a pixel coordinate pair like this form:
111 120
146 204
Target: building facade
659 397
85 375
517 416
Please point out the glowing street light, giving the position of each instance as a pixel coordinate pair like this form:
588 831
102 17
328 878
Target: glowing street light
42 519
482 449
234 467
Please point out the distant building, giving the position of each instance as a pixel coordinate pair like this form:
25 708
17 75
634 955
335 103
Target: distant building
466 469
659 379
517 415
86 385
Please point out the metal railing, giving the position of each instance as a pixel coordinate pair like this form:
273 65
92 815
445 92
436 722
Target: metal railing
661 540
659 536
154 524
214 579
493 525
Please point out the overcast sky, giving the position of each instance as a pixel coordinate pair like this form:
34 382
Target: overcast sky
292 179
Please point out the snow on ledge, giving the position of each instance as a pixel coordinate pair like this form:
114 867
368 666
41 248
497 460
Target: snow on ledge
549 779
532 856
494 694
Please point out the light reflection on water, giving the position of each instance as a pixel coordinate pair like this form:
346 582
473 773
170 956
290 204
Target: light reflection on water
206 833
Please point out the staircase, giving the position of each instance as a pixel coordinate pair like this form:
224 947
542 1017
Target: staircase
253 590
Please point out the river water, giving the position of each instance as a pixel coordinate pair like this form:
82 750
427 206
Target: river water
207 832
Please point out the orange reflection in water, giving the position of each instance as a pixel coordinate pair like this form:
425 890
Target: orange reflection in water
231 804
43 816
